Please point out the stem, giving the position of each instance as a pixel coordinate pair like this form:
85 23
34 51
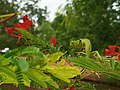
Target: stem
19 76
87 75
8 16
22 87
68 62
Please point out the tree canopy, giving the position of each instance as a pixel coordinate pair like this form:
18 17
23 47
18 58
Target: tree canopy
97 20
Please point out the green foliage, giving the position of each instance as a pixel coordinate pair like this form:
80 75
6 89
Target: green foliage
84 44
92 19
63 73
8 76
54 58
45 31
82 85
31 39
27 65
87 86
41 43
99 66
40 78
88 19
84 48
23 65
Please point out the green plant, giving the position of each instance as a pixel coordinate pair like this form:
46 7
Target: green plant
110 68
92 62
83 47
23 65
106 67
26 65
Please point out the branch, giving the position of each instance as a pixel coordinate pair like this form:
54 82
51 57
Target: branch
9 16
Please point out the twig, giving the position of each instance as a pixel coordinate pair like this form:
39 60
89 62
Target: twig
9 16
68 62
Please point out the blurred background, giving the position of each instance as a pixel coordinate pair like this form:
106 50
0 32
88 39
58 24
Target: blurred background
97 20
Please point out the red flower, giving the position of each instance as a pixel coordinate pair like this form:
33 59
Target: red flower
72 88
48 89
112 50
107 53
25 25
10 31
25 18
53 41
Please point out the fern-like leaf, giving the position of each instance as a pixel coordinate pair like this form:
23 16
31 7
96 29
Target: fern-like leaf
98 66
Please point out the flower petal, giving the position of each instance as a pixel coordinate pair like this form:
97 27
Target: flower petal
53 41
25 18
9 30
19 37
25 25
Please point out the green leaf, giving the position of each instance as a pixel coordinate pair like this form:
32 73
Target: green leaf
48 80
96 53
26 80
40 78
98 67
11 77
8 72
52 58
75 44
113 74
9 80
52 83
4 61
114 64
36 77
87 63
30 49
31 39
63 72
23 64
87 45
14 52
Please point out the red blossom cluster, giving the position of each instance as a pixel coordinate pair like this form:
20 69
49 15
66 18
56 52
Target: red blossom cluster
72 88
48 89
111 51
25 25
53 41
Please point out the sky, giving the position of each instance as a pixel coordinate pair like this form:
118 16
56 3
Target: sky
52 6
